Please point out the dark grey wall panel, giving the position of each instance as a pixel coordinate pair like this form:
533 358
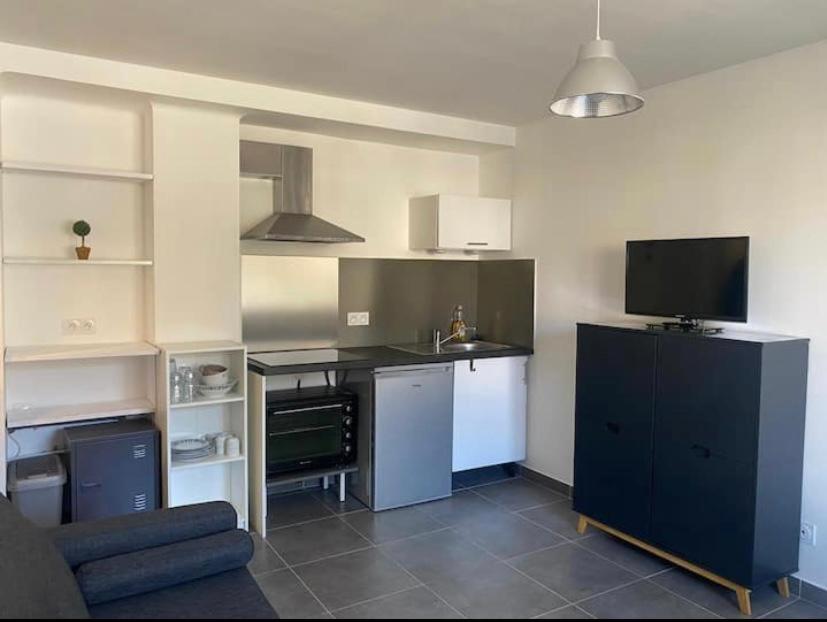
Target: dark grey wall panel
505 301
407 298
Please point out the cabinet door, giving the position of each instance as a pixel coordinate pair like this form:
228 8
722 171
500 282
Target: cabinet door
614 416
474 223
709 390
702 508
489 412
115 477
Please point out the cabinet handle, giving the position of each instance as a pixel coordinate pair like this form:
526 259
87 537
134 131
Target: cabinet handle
477 243
701 451
613 427
472 367
90 485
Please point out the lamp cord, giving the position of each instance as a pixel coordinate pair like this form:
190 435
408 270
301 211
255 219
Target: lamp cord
598 20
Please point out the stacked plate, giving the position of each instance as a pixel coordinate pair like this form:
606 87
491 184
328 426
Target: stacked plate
189 449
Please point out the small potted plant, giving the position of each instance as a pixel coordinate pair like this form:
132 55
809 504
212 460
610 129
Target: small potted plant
81 229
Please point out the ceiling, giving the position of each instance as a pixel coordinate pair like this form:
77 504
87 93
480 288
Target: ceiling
492 60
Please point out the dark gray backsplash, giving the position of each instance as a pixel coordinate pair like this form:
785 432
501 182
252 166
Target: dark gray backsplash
505 301
409 298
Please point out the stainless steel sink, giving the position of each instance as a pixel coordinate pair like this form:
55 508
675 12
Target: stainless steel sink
427 349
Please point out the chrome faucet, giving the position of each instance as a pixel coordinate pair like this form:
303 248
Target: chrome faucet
438 341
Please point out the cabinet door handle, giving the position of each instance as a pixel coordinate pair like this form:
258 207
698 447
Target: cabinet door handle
471 366
613 427
90 485
477 243
701 451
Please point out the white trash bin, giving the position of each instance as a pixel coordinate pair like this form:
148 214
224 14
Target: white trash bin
36 487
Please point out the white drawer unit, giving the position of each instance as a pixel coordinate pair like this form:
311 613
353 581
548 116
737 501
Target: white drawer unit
489 412
454 222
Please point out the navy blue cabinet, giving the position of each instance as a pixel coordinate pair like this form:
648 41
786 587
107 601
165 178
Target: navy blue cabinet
113 469
701 438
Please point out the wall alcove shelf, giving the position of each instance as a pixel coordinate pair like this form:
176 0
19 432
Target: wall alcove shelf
76 171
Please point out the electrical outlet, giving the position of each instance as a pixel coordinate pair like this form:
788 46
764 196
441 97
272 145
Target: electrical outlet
358 318
79 326
808 533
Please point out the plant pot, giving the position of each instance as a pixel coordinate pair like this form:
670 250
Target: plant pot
83 251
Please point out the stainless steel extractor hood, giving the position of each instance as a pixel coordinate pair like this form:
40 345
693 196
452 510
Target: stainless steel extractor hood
291 169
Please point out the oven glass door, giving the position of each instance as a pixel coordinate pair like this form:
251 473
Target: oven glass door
304 438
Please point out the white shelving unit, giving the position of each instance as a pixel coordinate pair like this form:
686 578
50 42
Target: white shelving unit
76 171
58 261
217 478
68 352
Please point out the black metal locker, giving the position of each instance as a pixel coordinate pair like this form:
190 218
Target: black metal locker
114 469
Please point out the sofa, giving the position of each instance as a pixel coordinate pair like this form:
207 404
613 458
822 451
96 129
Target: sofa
187 562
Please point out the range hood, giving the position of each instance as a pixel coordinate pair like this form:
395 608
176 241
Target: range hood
291 169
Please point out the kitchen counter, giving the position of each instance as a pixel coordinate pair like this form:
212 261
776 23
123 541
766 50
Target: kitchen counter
380 356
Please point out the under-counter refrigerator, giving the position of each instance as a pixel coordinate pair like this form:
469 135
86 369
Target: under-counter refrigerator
412 435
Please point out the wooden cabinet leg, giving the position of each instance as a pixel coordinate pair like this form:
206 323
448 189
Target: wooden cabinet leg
744 603
582 525
783 586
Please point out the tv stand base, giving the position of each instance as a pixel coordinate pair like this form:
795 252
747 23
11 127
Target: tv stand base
686 326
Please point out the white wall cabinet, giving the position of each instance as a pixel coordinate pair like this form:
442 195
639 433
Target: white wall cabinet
454 222
489 412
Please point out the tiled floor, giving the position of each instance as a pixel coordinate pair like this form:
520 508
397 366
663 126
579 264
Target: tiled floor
506 549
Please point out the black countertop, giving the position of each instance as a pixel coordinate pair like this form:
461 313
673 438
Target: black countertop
381 356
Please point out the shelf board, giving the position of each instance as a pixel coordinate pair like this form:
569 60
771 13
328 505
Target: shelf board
75 171
34 354
200 347
200 400
211 461
49 415
57 261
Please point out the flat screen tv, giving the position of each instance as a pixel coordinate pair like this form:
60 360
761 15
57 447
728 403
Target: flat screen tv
694 279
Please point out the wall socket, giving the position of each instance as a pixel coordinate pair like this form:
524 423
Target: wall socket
80 326
808 533
358 318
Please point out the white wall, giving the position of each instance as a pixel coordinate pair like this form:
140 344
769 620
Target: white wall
739 151
361 186
197 288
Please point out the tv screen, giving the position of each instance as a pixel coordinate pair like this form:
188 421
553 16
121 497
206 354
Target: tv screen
702 279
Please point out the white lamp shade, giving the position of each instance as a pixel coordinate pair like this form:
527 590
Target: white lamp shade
598 85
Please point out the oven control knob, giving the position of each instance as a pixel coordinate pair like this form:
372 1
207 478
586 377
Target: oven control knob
348 408
348 449
348 435
348 421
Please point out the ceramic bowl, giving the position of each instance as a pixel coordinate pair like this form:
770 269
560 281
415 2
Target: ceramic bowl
214 375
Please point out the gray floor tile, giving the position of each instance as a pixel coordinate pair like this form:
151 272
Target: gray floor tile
330 499
507 535
264 559
495 590
800 610
566 613
643 600
463 505
293 508
573 572
811 593
288 596
353 578
717 599
311 541
558 517
630 557
438 555
518 494
381 527
418 603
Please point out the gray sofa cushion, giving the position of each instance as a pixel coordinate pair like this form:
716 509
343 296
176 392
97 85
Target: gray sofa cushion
230 595
157 568
35 581
88 541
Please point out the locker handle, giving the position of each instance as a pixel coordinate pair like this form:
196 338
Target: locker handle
701 451
90 484
613 427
